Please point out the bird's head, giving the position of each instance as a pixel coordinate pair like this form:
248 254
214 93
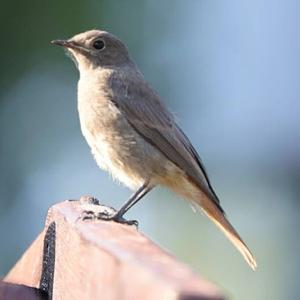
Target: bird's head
95 48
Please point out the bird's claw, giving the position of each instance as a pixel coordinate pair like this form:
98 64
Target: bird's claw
107 215
117 218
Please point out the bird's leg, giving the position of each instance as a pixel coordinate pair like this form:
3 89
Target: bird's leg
118 216
135 198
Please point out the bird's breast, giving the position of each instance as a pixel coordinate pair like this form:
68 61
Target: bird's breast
114 144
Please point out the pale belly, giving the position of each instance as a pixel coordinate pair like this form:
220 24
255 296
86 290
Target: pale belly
118 148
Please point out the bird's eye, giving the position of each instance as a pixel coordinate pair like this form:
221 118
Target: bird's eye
99 44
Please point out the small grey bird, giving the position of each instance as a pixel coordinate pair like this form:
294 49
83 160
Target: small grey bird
132 134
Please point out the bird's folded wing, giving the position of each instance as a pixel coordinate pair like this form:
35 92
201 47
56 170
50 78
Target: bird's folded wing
150 118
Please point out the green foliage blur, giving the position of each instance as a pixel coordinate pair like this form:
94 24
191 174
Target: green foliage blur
228 70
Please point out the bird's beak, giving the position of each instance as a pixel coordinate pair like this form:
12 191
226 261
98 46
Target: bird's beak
63 43
70 45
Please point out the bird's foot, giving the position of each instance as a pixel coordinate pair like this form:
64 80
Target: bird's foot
117 218
93 210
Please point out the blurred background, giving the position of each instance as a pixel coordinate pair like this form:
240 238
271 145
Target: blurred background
229 70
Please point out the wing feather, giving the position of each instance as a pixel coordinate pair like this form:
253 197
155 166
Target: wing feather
149 117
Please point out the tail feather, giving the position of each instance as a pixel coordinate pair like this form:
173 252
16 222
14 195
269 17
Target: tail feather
190 190
218 217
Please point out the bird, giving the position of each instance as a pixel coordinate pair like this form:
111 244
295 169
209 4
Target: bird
133 135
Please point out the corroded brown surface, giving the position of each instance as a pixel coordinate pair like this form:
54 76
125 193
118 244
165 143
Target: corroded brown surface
27 270
106 260
10 291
